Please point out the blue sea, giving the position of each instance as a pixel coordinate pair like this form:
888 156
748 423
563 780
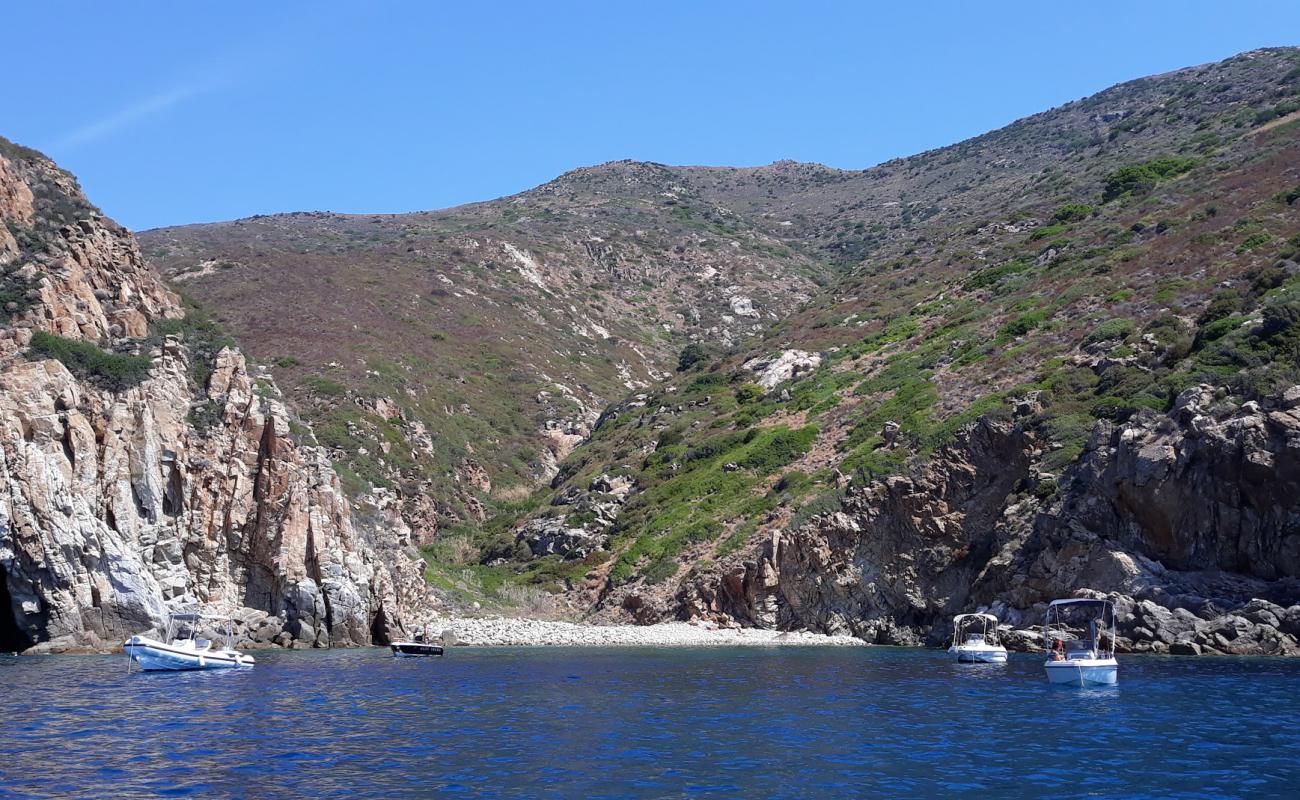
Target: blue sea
647 723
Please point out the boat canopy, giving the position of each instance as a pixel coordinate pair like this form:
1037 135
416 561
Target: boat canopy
1079 601
989 617
194 616
1059 630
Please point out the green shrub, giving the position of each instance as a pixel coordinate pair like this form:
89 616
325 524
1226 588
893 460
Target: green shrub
660 570
1139 178
669 438
1046 231
1073 212
114 371
1266 278
773 451
706 381
14 291
1045 490
324 386
1223 304
992 275
691 355
748 393
1281 328
716 446
1253 241
1111 329
1022 324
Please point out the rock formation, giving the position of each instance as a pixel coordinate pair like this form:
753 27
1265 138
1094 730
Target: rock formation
1189 521
117 506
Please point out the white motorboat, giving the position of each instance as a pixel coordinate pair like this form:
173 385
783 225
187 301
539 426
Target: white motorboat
418 646
415 649
1075 633
181 649
975 640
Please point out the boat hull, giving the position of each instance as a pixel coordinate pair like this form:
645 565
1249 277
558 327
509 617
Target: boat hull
1083 672
415 650
978 655
152 655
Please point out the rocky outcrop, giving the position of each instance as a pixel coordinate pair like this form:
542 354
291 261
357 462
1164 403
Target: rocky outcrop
776 370
581 520
905 551
1189 521
116 507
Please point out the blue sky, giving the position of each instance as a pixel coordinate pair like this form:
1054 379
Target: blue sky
190 112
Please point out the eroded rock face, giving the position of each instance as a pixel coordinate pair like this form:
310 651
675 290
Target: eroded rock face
1190 522
905 552
117 507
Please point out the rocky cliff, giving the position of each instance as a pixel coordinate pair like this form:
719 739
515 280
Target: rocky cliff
1189 521
144 467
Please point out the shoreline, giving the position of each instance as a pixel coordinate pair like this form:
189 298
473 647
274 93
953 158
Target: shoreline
522 632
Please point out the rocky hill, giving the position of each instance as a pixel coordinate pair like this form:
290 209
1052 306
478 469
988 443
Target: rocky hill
145 468
1067 367
844 400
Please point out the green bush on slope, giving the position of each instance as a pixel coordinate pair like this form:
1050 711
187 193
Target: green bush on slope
114 371
1143 177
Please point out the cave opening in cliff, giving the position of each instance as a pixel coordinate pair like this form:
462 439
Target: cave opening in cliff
12 638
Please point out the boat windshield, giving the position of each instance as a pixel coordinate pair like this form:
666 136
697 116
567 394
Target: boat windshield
1076 630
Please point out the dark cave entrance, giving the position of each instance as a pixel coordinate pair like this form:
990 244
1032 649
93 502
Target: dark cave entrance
12 638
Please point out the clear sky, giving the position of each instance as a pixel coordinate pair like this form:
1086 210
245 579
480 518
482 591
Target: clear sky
182 112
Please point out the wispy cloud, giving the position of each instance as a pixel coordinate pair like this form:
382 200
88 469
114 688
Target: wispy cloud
134 113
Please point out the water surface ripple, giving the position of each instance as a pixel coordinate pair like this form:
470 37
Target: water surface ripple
640 723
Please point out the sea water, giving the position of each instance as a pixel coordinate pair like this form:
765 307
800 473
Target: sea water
647 722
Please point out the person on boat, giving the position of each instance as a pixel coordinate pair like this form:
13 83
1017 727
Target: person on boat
1058 650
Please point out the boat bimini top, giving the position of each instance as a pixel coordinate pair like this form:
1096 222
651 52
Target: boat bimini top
987 623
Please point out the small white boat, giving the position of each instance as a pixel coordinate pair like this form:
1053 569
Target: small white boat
1075 634
181 649
975 640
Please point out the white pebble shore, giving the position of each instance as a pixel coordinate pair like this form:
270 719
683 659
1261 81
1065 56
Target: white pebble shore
518 632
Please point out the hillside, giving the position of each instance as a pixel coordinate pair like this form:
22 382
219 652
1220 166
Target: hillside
1063 281
455 357
1152 252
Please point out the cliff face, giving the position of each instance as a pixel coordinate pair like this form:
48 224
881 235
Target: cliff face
1190 521
186 488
